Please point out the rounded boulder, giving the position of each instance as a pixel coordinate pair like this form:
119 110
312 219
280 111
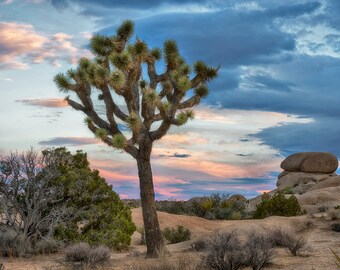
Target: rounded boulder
311 162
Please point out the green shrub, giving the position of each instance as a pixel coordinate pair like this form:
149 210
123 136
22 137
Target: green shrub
288 190
278 205
178 235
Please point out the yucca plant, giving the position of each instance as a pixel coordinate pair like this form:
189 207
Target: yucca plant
152 105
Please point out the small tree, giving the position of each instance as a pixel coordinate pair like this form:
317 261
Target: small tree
277 205
49 195
152 106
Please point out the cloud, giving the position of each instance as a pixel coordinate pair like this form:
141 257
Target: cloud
21 45
175 155
69 141
134 4
45 102
306 86
322 135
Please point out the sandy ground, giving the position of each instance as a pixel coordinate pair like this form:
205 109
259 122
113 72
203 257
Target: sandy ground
317 231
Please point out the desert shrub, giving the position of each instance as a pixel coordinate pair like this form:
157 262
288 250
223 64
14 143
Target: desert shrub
295 243
47 246
277 205
288 190
199 245
323 208
335 227
13 244
174 236
224 252
222 212
337 258
173 207
141 230
258 251
236 216
227 252
84 254
337 207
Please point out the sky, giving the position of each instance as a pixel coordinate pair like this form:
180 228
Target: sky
277 92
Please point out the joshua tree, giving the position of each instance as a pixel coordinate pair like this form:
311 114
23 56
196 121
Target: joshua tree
152 106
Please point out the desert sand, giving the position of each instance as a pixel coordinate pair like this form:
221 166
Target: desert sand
317 230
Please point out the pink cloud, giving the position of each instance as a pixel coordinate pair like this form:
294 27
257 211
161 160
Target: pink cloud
45 102
21 45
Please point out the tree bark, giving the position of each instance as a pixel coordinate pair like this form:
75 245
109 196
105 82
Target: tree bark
153 236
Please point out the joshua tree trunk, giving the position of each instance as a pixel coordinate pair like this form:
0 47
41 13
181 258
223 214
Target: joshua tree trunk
153 235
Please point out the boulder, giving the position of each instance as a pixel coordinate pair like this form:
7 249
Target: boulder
311 162
237 198
293 162
320 163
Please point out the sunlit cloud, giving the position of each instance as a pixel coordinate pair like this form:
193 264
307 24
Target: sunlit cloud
21 45
69 141
45 102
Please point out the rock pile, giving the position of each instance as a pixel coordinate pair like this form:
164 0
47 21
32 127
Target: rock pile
305 171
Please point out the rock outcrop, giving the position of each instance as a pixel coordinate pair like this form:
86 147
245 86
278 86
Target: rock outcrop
310 176
311 162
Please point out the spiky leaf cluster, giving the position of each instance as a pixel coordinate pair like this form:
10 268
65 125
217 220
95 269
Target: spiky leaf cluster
204 72
133 122
63 82
139 50
119 141
156 53
122 60
125 30
101 133
151 97
171 54
117 80
202 91
184 84
101 45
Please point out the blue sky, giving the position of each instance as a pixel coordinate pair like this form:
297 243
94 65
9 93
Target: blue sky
277 92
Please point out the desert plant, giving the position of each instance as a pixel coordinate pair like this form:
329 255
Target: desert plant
117 70
177 235
13 243
225 252
46 195
199 245
142 235
295 243
2 267
277 205
335 227
323 208
288 190
258 251
47 246
337 258
84 254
